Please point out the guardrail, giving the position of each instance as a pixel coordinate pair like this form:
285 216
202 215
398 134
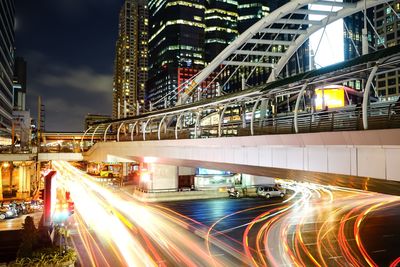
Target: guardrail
380 116
166 190
9 149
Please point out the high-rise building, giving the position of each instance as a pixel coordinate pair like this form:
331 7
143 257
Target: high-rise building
131 62
251 11
387 25
352 30
221 19
176 46
19 84
7 11
187 35
385 22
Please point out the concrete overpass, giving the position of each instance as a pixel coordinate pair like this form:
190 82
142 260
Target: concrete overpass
277 145
358 159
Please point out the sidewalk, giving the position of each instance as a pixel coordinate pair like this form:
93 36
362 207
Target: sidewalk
173 196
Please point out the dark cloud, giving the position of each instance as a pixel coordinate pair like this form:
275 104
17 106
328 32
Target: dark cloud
68 110
69 46
84 80
68 93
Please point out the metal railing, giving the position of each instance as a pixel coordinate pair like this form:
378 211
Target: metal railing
10 149
380 116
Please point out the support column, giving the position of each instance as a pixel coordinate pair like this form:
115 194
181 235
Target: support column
296 109
124 169
243 109
24 181
1 182
263 110
28 179
21 181
366 96
161 177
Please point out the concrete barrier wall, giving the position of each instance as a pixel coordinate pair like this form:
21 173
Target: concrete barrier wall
374 153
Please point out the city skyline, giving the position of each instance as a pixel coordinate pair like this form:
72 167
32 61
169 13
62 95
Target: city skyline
68 73
200 132
69 48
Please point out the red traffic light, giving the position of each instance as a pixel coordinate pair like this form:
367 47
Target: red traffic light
71 207
41 194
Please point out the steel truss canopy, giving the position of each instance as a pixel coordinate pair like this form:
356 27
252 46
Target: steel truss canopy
174 123
359 68
288 27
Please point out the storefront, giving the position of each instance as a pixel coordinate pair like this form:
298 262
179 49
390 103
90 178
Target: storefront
208 179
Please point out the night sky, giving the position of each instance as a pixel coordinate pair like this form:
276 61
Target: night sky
69 46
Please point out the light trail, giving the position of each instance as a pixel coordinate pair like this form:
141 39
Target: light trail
331 212
315 226
138 234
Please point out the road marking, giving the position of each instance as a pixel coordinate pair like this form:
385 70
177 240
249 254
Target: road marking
379 251
335 257
384 236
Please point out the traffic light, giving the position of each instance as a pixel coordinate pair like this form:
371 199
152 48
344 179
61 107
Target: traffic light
61 211
71 207
41 194
67 195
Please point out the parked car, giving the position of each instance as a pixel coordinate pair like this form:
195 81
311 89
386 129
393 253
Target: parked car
266 191
270 191
10 212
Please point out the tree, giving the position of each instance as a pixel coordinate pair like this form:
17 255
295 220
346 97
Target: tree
29 238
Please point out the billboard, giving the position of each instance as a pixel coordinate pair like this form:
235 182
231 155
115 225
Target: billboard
329 97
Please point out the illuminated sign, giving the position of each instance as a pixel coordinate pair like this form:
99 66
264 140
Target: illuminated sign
201 171
331 98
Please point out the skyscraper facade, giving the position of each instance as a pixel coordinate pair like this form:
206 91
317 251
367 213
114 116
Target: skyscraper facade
221 19
19 84
176 46
186 35
131 59
7 11
251 11
383 28
387 25
352 30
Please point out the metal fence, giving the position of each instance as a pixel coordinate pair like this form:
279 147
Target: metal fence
380 116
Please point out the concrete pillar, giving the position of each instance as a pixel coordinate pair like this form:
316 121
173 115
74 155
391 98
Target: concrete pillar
21 178
1 182
124 169
162 177
23 181
28 179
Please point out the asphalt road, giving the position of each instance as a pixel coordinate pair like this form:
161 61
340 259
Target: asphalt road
314 226
379 232
110 228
